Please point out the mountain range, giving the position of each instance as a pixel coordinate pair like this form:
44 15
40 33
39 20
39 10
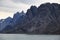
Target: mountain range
44 19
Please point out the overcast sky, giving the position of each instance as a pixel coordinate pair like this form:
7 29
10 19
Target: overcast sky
9 7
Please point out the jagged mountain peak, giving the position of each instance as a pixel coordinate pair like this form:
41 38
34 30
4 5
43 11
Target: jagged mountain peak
19 14
43 20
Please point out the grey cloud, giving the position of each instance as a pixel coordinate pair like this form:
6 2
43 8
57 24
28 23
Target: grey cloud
25 1
7 8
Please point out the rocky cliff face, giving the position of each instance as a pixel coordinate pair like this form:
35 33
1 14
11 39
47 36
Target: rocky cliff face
5 22
42 20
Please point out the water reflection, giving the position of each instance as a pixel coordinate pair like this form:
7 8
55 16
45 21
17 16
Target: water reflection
28 37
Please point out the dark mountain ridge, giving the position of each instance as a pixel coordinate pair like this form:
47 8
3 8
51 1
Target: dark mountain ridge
42 20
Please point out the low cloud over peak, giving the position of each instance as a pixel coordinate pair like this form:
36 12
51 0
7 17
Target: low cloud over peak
25 1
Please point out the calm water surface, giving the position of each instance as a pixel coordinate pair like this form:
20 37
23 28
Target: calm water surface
28 37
